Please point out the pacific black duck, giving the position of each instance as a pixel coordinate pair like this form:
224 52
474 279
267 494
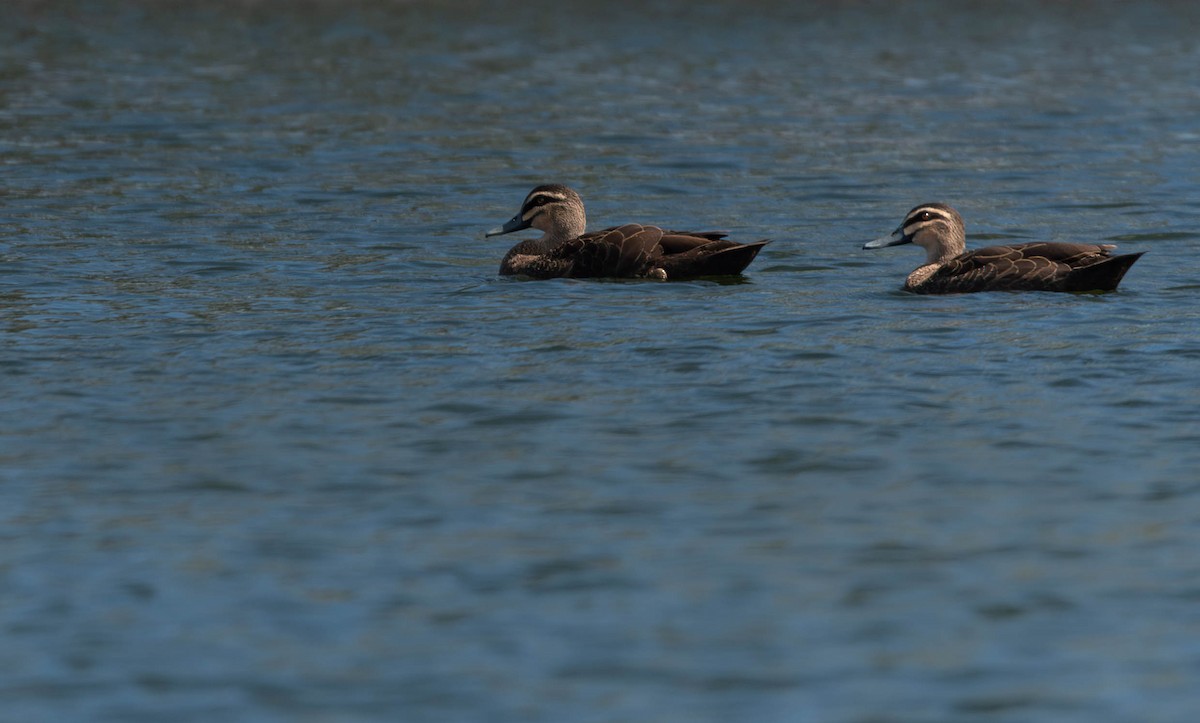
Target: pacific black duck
1039 266
630 251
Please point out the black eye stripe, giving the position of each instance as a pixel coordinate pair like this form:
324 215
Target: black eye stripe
924 216
539 200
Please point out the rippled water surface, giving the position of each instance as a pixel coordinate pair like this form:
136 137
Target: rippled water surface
278 444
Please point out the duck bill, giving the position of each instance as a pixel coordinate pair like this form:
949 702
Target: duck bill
895 238
516 223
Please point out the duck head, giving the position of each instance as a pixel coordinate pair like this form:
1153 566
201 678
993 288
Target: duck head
935 227
554 209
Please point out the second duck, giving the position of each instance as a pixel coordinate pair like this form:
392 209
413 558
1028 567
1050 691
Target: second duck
1039 266
633 251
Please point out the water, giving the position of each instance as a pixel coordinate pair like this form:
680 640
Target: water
278 444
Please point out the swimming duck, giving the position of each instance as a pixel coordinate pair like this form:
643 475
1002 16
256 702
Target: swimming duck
1040 266
631 251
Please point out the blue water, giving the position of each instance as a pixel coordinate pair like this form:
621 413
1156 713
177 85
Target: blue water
278 444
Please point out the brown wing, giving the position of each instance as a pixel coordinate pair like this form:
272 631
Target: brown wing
680 242
620 252
1069 254
1032 266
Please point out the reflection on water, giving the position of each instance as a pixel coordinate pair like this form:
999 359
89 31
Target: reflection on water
279 444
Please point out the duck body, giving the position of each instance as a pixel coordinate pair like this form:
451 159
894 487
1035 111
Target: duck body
1035 266
631 251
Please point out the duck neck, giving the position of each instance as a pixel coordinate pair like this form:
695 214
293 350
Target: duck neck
563 224
939 256
555 236
939 250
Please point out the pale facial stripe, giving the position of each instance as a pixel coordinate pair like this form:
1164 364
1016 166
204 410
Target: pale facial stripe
924 216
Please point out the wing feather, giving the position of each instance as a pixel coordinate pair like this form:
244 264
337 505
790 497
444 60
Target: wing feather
620 252
1030 266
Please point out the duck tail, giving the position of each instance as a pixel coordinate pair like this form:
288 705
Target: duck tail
728 261
1104 276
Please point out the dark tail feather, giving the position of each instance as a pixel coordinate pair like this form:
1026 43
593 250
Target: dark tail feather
728 261
1103 276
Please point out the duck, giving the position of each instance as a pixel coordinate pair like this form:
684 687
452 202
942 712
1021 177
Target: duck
631 251
1038 266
